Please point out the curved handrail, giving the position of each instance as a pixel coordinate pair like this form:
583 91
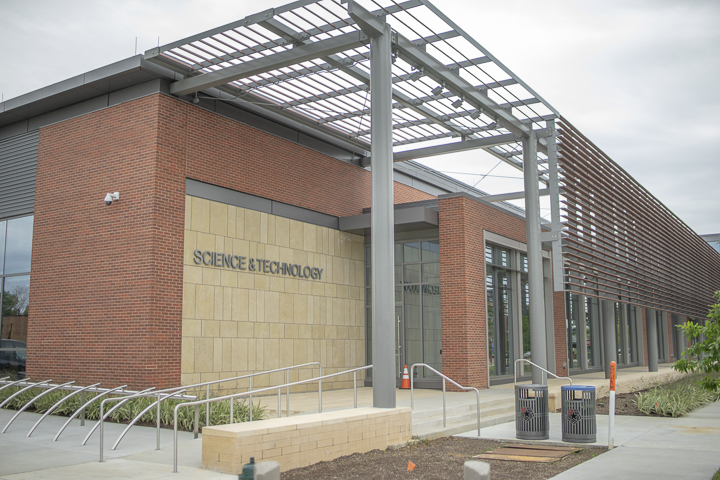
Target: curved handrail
57 404
33 401
83 407
242 394
11 383
444 377
7 400
145 410
541 368
101 420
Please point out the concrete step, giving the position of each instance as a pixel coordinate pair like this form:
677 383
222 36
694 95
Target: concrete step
485 405
464 417
426 432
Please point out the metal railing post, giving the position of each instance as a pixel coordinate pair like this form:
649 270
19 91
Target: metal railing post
412 393
232 411
444 406
279 402
251 404
207 405
287 393
157 446
82 413
477 398
101 431
196 428
355 387
175 438
320 392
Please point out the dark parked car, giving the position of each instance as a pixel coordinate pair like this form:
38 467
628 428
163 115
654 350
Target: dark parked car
12 357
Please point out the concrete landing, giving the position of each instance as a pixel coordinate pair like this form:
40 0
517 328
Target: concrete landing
645 447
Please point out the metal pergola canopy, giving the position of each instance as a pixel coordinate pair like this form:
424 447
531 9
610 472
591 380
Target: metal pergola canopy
309 61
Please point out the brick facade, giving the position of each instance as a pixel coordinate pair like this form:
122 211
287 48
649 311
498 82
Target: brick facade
463 296
106 287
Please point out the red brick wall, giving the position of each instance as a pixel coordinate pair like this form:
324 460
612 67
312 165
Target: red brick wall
462 276
227 153
106 281
106 284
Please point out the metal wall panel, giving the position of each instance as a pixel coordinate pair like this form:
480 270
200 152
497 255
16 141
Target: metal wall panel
18 165
621 243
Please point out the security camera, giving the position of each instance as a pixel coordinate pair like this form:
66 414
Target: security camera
110 197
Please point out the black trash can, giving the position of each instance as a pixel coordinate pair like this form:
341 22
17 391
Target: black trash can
579 424
531 412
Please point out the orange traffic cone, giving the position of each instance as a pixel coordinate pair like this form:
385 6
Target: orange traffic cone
406 379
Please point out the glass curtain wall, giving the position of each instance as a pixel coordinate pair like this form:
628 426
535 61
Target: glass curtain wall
583 312
508 309
417 306
15 252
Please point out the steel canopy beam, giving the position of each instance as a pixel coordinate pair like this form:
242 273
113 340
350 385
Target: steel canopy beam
449 148
455 147
275 61
457 84
503 197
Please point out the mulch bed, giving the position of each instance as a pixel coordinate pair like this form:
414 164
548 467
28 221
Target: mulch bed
624 405
440 459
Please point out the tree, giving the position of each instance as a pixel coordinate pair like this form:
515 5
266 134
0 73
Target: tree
704 355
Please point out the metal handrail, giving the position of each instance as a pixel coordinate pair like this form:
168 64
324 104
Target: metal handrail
37 397
444 378
57 404
251 376
541 368
279 388
126 395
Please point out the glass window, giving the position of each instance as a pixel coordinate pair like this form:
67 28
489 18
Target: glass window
417 305
13 342
411 273
431 273
432 333
431 251
18 246
411 252
15 252
488 254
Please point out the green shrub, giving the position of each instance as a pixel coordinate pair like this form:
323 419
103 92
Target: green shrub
675 399
219 411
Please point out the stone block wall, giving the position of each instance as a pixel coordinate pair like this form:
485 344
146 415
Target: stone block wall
237 321
303 440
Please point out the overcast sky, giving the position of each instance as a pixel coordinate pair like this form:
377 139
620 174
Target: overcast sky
641 79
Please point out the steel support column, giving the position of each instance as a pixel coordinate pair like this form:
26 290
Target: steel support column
581 332
534 254
652 339
382 223
610 339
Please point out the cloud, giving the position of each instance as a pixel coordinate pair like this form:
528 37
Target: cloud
638 77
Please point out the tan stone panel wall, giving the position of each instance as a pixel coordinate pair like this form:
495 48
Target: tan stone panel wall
237 322
303 440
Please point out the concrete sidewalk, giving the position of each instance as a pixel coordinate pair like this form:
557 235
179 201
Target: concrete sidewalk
646 447
686 447
36 457
136 457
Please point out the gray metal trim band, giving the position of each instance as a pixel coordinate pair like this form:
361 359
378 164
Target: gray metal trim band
215 193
